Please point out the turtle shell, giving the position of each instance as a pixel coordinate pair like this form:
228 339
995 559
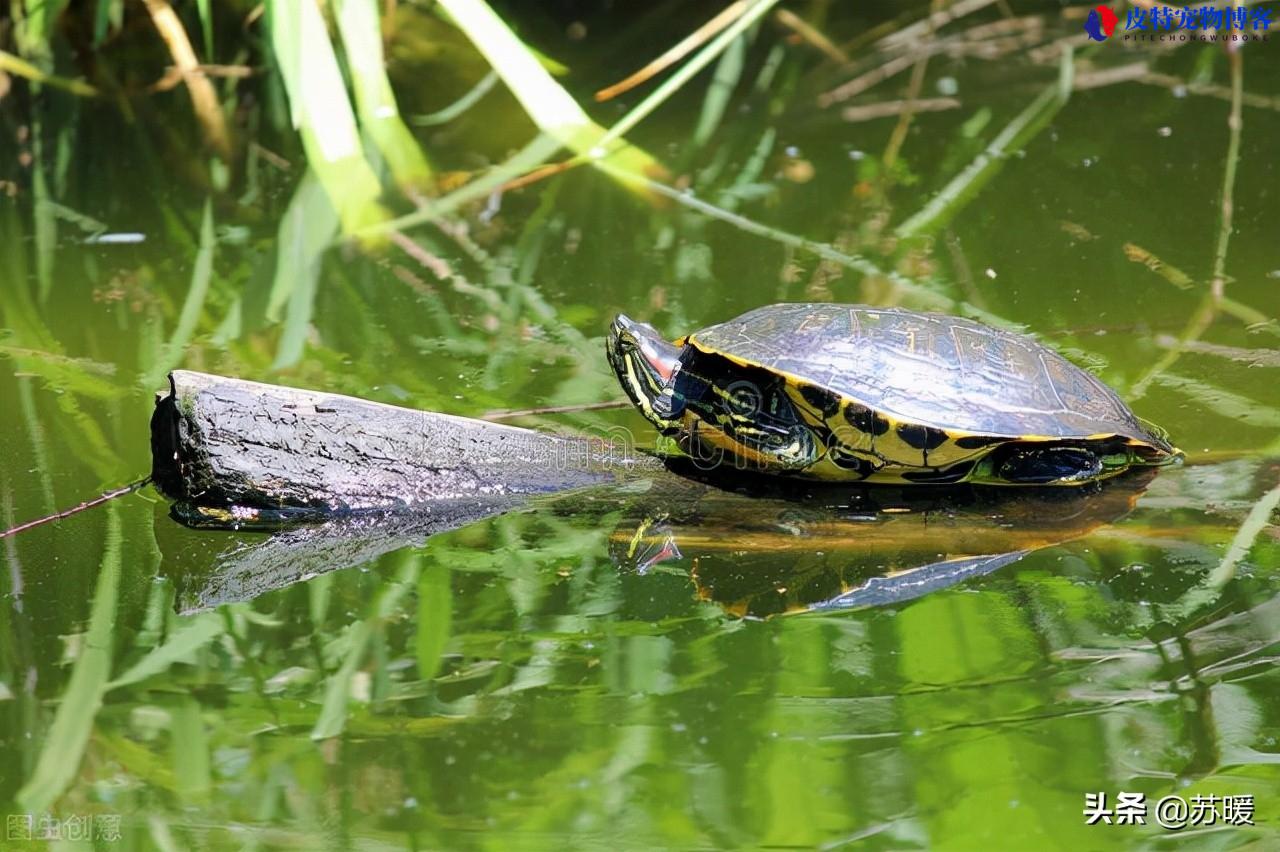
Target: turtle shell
936 370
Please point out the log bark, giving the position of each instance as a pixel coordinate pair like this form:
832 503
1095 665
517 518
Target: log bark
229 444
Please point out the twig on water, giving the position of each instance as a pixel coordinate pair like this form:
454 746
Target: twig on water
1239 548
875 76
964 186
1235 123
75 510
822 250
937 19
1210 305
868 112
1172 274
204 99
461 105
440 268
1210 90
1239 354
811 35
175 75
702 59
527 166
928 296
677 52
899 134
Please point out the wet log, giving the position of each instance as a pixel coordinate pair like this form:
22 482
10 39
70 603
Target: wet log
242 450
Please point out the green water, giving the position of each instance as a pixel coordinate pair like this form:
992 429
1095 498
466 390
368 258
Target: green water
552 677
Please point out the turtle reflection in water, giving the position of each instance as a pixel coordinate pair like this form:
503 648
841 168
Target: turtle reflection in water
755 545
835 547
854 393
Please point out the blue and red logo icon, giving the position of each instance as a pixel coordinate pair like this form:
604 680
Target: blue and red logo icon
1101 23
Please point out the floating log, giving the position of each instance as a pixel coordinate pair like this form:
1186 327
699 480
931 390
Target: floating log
761 548
241 453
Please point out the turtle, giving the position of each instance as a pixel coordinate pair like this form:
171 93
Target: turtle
845 393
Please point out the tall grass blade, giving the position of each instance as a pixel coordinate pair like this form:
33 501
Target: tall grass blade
22 68
750 172
549 106
677 81
35 33
716 101
628 165
204 98
192 635
1235 127
1257 519
1250 316
68 736
676 52
435 614
1172 274
46 225
307 229
319 591
461 105
375 102
205 11
39 447
190 747
966 185
552 108
333 713
538 151
192 306
79 375
108 15
321 111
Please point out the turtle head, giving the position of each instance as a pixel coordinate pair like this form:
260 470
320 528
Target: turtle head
646 366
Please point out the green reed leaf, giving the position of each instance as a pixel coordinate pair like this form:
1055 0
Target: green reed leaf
67 737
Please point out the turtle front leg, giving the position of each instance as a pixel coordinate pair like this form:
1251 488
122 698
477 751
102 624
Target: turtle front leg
772 431
796 450
1049 465
748 448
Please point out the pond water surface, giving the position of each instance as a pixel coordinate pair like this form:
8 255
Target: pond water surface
640 669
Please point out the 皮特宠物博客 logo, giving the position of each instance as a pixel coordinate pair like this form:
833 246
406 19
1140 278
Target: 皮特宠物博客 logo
1166 23
1101 23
